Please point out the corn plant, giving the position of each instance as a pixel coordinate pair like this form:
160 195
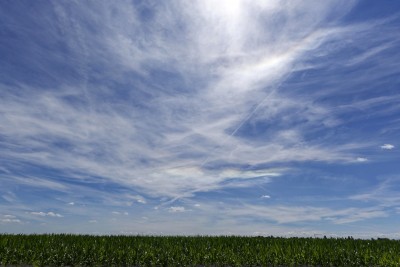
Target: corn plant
87 250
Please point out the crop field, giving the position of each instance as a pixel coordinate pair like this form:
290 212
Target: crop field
86 250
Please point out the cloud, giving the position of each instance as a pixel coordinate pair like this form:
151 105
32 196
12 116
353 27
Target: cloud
360 215
10 197
387 146
155 134
177 209
289 214
48 214
7 218
361 159
383 193
120 213
138 199
266 196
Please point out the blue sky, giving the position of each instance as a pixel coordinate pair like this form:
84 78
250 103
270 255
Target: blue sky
200 117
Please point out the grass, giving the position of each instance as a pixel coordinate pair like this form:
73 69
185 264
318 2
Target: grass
87 250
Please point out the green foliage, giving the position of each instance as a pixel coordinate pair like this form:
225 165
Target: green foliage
86 250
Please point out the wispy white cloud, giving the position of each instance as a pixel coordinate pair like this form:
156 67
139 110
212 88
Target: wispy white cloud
36 182
387 146
10 197
288 214
176 209
164 142
7 218
120 213
138 199
384 193
46 214
360 215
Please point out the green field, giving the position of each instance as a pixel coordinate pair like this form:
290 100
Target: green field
86 250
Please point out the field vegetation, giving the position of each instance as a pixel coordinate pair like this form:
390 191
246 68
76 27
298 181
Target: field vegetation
87 250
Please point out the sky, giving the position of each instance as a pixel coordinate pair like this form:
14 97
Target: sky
229 117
